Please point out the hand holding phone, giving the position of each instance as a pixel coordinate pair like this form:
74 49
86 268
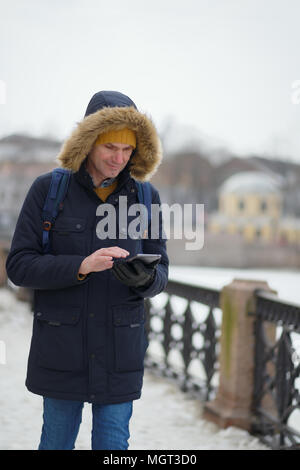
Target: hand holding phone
138 271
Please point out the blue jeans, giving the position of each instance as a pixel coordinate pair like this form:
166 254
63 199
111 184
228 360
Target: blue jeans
62 419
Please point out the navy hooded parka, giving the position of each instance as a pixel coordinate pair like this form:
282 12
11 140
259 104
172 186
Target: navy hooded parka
88 340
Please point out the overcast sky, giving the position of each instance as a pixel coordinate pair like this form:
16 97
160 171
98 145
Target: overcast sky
223 67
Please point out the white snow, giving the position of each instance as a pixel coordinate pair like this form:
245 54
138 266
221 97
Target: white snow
164 417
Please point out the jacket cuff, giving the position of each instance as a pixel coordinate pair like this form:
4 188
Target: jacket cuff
81 277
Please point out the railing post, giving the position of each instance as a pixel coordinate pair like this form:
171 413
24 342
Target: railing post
233 403
3 275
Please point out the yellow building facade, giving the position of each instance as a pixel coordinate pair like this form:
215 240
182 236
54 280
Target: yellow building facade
251 204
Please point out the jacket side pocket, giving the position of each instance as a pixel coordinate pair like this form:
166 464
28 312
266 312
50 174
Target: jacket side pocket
60 339
130 342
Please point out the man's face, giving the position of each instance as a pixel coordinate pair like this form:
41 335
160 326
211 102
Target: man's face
108 160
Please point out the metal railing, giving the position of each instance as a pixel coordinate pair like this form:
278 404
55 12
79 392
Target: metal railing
276 399
194 338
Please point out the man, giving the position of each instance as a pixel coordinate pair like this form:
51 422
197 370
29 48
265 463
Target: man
89 340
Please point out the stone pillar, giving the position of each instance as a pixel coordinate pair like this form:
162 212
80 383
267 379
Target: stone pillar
232 405
3 274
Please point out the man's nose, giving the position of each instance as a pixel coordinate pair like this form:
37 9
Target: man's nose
118 157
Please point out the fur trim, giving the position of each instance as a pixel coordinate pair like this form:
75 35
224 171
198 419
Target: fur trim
147 155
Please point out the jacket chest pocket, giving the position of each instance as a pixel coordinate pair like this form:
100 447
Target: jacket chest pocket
69 236
60 338
130 341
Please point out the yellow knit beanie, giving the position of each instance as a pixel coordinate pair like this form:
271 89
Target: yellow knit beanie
122 136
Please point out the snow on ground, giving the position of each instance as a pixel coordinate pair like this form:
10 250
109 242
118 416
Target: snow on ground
164 417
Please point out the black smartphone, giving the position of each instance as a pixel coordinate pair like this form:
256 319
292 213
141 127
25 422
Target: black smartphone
146 258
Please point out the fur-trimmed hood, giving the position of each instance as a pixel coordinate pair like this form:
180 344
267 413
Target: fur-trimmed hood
109 110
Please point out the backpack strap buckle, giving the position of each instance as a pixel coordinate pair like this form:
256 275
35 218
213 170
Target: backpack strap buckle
47 225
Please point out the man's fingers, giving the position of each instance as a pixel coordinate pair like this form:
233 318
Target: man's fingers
115 248
124 269
114 251
119 274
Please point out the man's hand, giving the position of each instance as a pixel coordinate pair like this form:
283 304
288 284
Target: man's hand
102 259
135 273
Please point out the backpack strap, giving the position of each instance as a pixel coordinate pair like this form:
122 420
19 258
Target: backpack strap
54 201
145 197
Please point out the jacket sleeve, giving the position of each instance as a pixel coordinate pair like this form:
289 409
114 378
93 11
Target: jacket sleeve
156 243
26 265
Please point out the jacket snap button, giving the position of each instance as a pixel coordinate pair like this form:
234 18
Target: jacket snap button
39 314
78 226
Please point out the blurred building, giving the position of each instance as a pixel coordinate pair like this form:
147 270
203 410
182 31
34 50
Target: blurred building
250 204
22 159
15 181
